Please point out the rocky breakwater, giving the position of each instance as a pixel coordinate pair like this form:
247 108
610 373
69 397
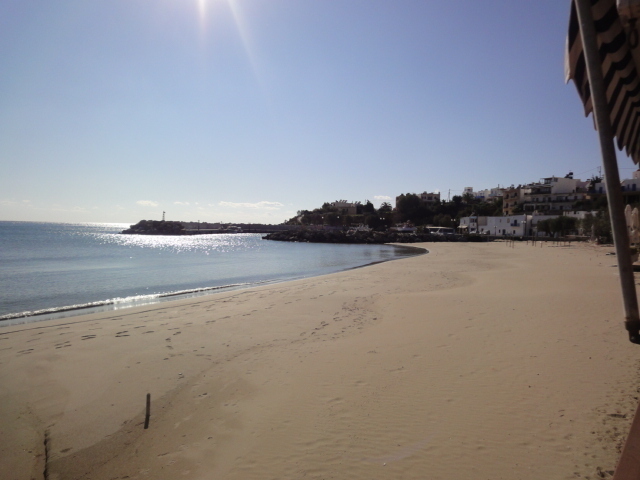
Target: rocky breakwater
328 236
155 227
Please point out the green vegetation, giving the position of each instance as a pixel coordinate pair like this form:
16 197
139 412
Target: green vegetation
409 208
444 214
559 226
366 214
598 226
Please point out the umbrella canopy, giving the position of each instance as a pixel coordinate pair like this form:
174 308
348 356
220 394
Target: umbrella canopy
619 71
600 61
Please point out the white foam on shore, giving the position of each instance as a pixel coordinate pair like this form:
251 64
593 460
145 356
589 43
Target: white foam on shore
111 304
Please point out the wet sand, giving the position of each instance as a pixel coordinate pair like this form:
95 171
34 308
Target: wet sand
474 361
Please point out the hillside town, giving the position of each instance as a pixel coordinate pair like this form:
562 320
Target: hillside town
553 206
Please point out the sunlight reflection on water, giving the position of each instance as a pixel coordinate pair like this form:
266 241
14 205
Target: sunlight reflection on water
186 243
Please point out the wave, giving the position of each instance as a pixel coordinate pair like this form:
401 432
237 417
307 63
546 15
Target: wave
125 302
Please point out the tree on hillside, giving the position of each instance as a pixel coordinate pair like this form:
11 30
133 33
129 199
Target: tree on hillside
379 221
385 208
368 208
498 204
410 208
599 225
559 226
443 220
327 208
592 183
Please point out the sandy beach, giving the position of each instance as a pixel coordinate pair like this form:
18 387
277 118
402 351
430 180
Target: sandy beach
475 361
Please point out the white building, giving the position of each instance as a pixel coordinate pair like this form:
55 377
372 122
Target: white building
345 208
510 226
627 185
430 197
631 184
486 195
554 195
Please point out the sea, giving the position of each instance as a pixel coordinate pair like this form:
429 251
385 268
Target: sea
56 270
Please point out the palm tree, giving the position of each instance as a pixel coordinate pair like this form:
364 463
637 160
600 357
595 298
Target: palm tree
385 208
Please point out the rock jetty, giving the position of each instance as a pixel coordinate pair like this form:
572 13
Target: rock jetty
330 236
156 227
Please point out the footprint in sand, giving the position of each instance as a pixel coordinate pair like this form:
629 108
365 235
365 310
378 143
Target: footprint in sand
124 333
87 337
63 344
25 352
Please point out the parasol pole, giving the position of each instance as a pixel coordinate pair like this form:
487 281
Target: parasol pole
609 161
628 467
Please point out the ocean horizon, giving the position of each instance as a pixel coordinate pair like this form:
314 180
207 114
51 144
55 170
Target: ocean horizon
57 270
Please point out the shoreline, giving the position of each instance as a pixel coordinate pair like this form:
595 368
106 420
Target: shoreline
477 360
115 304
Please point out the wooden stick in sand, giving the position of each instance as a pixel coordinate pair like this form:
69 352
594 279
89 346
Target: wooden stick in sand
148 414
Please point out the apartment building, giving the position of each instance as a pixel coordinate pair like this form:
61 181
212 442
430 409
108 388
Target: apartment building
512 197
554 195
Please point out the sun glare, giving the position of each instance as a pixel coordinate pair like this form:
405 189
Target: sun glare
202 13
207 9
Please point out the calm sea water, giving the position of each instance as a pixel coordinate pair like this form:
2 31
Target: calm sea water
49 270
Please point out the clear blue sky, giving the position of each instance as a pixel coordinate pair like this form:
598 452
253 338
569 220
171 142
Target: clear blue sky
249 110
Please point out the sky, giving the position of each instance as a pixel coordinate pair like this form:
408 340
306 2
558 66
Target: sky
250 110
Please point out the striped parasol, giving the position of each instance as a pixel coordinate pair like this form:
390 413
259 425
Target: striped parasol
601 45
619 71
600 59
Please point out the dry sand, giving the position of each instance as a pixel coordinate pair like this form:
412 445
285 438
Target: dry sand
476 361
